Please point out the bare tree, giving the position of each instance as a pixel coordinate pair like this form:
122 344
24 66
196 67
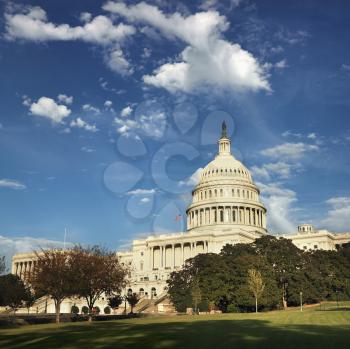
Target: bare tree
96 272
52 276
256 285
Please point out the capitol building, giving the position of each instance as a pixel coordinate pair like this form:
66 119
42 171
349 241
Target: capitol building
225 209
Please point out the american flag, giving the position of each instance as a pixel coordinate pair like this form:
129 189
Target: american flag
178 217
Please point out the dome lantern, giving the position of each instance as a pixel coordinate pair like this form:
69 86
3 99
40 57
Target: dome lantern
224 141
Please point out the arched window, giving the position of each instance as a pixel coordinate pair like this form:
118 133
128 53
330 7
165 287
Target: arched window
141 292
153 292
221 193
233 192
216 193
210 193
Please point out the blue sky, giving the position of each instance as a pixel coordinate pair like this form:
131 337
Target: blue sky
109 108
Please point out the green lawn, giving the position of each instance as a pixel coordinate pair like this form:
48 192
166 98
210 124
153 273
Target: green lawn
281 329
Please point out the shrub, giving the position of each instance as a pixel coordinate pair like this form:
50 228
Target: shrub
96 310
85 310
231 308
107 310
74 310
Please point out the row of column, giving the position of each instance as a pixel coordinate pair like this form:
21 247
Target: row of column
22 269
174 255
226 214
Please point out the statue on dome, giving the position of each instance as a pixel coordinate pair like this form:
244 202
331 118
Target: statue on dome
223 130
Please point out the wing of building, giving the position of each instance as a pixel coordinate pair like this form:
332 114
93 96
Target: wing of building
225 209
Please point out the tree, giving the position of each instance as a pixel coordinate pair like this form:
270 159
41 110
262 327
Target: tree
85 310
29 299
196 295
115 301
53 276
2 265
74 310
133 299
12 290
97 272
256 285
107 310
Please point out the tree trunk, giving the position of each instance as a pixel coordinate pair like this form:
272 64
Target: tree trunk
90 314
284 302
58 310
256 304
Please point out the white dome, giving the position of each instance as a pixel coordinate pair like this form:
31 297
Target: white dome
226 196
225 167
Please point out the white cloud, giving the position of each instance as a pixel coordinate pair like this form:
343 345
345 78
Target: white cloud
193 179
12 184
126 111
289 133
289 150
311 135
32 24
80 123
345 67
207 60
145 200
108 104
151 123
65 99
280 169
85 17
142 192
87 150
48 108
279 203
281 64
116 61
92 109
338 216
11 246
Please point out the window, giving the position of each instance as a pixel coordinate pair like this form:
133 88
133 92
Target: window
305 247
141 253
221 215
315 246
141 266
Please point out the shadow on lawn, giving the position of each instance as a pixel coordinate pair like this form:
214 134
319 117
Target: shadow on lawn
213 334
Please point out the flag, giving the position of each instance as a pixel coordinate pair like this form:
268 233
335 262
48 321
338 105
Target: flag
178 217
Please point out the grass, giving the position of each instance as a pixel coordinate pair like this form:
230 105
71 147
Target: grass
312 328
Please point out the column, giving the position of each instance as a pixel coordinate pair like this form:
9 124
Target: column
151 258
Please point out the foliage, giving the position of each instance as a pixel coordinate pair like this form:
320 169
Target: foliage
115 301
12 291
74 310
255 285
132 299
107 310
97 271
53 276
85 310
196 294
285 270
96 310
29 299
2 265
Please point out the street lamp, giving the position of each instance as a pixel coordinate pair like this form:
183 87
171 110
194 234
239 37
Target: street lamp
301 301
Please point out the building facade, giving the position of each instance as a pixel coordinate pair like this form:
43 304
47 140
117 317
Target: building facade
225 209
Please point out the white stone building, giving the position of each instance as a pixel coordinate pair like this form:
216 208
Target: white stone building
225 209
